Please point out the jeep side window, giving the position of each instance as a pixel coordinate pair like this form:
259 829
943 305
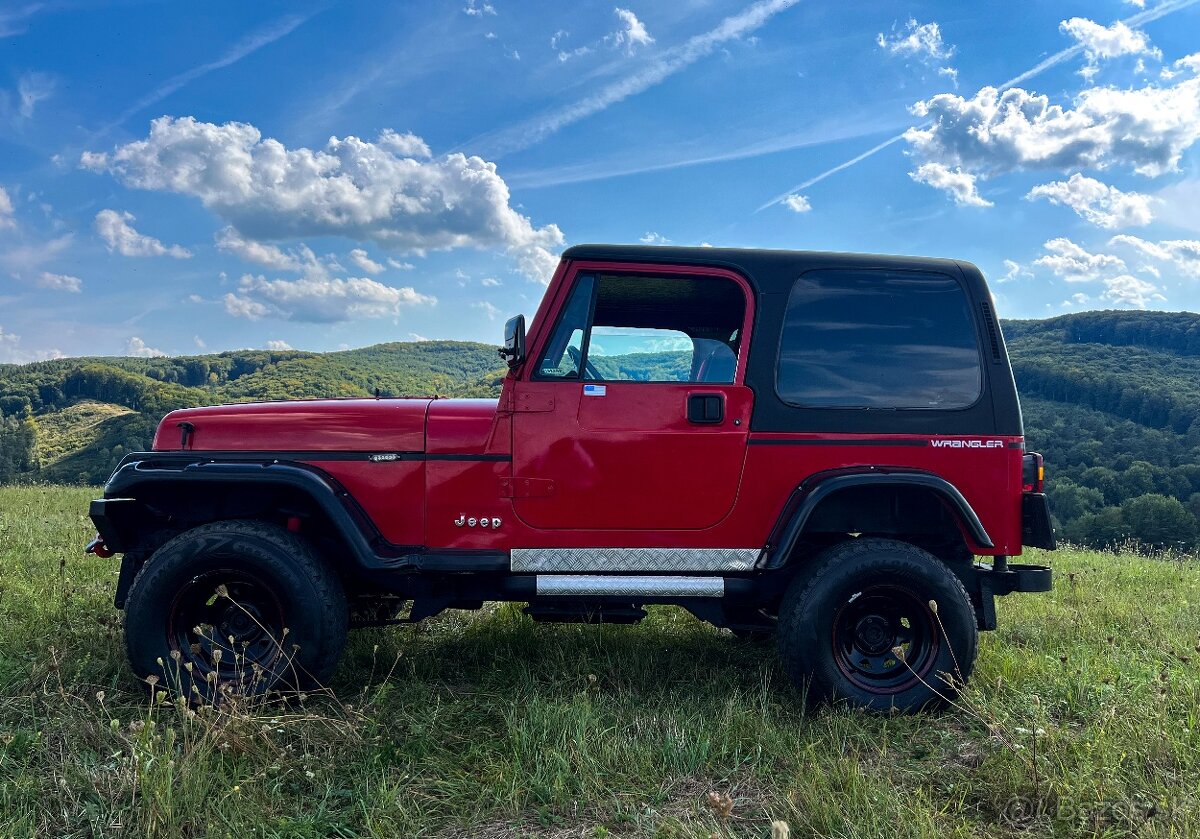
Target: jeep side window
878 339
665 329
564 354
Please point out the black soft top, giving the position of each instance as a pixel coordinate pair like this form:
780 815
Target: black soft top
773 273
769 271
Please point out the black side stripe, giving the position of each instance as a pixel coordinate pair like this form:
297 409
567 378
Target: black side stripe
867 441
488 458
324 455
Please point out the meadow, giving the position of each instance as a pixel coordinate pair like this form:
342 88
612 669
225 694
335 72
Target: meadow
1082 719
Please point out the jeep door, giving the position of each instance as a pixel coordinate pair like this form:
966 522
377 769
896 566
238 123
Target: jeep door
630 413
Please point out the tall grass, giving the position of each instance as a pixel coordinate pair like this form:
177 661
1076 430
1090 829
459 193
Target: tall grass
1082 718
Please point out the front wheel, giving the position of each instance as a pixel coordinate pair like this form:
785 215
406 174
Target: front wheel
881 624
240 606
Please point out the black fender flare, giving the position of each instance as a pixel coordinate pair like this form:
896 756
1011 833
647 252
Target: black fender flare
122 512
816 488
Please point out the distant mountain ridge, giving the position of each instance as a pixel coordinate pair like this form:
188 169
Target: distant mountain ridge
1111 398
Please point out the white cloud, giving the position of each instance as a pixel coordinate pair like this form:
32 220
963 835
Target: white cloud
1130 292
1102 205
360 258
1141 4
797 203
1075 265
27 259
650 73
491 311
137 347
31 89
959 184
354 188
1189 63
1014 270
11 352
8 347
1145 128
565 54
279 345
922 41
117 232
632 33
1053 60
1183 254
490 282
59 282
652 238
400 266
415 336
270 256
199 342
951 74
244 307
476 9
404 145
1102 43
6 210
318 299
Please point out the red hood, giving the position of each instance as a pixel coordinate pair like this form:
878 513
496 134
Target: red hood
356 425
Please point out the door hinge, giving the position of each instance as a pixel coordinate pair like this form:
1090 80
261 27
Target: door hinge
527 403
526 487
531 403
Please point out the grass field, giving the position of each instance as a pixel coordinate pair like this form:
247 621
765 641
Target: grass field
1083 718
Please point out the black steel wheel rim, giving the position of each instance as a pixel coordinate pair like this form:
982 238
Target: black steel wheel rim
228 622
885 639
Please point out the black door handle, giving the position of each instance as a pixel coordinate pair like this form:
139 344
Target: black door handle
706 408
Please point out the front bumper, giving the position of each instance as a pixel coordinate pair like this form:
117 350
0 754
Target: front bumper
116 519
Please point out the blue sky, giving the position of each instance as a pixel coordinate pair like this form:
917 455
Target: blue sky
334 175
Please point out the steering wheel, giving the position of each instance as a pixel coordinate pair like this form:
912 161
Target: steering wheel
588 370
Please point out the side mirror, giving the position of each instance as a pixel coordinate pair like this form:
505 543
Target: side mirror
514 341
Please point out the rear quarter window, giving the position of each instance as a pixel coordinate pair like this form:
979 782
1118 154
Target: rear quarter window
878 339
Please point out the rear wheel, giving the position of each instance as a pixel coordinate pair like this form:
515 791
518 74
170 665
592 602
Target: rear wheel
881 624
239 606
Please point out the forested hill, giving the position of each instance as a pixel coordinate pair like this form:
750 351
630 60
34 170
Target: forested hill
1113 401
71 420
1111 398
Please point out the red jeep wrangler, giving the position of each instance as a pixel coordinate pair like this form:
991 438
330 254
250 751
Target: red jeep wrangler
809 444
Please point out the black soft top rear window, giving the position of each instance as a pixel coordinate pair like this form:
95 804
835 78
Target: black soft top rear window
864 338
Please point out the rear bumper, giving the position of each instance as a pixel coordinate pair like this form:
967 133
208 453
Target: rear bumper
988 584
1037 531
1022 578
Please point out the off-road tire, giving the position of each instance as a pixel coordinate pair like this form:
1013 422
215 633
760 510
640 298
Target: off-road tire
834 624
298 590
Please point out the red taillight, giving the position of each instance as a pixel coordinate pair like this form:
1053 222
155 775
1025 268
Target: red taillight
1033 473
